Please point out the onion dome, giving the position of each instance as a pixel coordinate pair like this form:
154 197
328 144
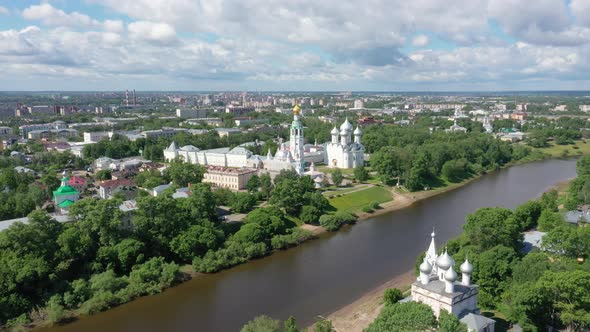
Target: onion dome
358 131
451 275
346 126
296 110
445 261
334 131
425 267
466 267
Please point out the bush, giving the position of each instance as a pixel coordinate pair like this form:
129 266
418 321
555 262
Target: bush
334 222
375 205
101 301
392 296
310 214
368 209
235 253
296 237
330 223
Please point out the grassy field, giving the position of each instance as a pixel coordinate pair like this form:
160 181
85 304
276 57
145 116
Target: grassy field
335 191
580 148
357 200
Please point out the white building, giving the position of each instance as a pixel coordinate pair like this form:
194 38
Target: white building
345 153
94 137
5 131
438 287
358 104
25 129
292 156
585 108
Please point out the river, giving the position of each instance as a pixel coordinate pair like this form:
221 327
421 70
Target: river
321 276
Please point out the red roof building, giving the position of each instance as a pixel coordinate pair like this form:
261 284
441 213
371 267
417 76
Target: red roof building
79 183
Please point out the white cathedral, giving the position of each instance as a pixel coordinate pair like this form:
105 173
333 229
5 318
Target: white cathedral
339 153
344 152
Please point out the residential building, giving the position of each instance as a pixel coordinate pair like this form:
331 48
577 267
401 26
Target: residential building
585 108
358 104
191 113
94 137
5 131
79 183
247 121
227 177
25 129
47 133
224 132
109 188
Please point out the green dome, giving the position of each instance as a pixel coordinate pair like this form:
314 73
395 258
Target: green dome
65 190
65 203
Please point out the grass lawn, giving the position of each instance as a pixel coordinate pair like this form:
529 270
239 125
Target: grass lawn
357 200
343 190
555 150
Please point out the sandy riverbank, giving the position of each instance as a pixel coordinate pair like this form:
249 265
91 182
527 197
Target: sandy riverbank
356 316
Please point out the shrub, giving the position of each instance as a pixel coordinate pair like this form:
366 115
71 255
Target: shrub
310 214
330 222
368 209
375 205
296 237
392 296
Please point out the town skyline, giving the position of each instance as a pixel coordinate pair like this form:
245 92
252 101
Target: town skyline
483 45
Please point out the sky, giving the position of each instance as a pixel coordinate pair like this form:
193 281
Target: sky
298 45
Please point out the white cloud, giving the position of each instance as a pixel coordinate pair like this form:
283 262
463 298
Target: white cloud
326 44
52 16
113 26
581 11
420 41
3 10
162 33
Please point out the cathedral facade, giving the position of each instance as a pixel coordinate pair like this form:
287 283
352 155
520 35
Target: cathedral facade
342 151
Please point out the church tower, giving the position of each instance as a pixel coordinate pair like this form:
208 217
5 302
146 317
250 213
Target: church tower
296 140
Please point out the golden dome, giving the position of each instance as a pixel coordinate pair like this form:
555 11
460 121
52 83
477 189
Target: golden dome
296 110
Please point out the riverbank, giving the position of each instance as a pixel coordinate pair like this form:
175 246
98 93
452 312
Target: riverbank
357 316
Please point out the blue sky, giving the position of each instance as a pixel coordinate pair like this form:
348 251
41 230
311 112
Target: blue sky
382 45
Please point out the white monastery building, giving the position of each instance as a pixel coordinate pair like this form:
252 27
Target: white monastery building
343 152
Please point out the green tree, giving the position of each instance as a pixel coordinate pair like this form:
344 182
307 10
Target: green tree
103 175
548 220
361 174
450 323
266 185
196 241
392 296
262 324
567 292
323 325
391 163
527 214
583 166
243 202
310 214
488 227
337 177
493 273
410 316
253 184
290 325
183 174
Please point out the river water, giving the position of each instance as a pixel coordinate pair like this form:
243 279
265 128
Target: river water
321 276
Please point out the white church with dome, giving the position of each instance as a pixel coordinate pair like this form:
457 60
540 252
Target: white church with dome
439 288
342 151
